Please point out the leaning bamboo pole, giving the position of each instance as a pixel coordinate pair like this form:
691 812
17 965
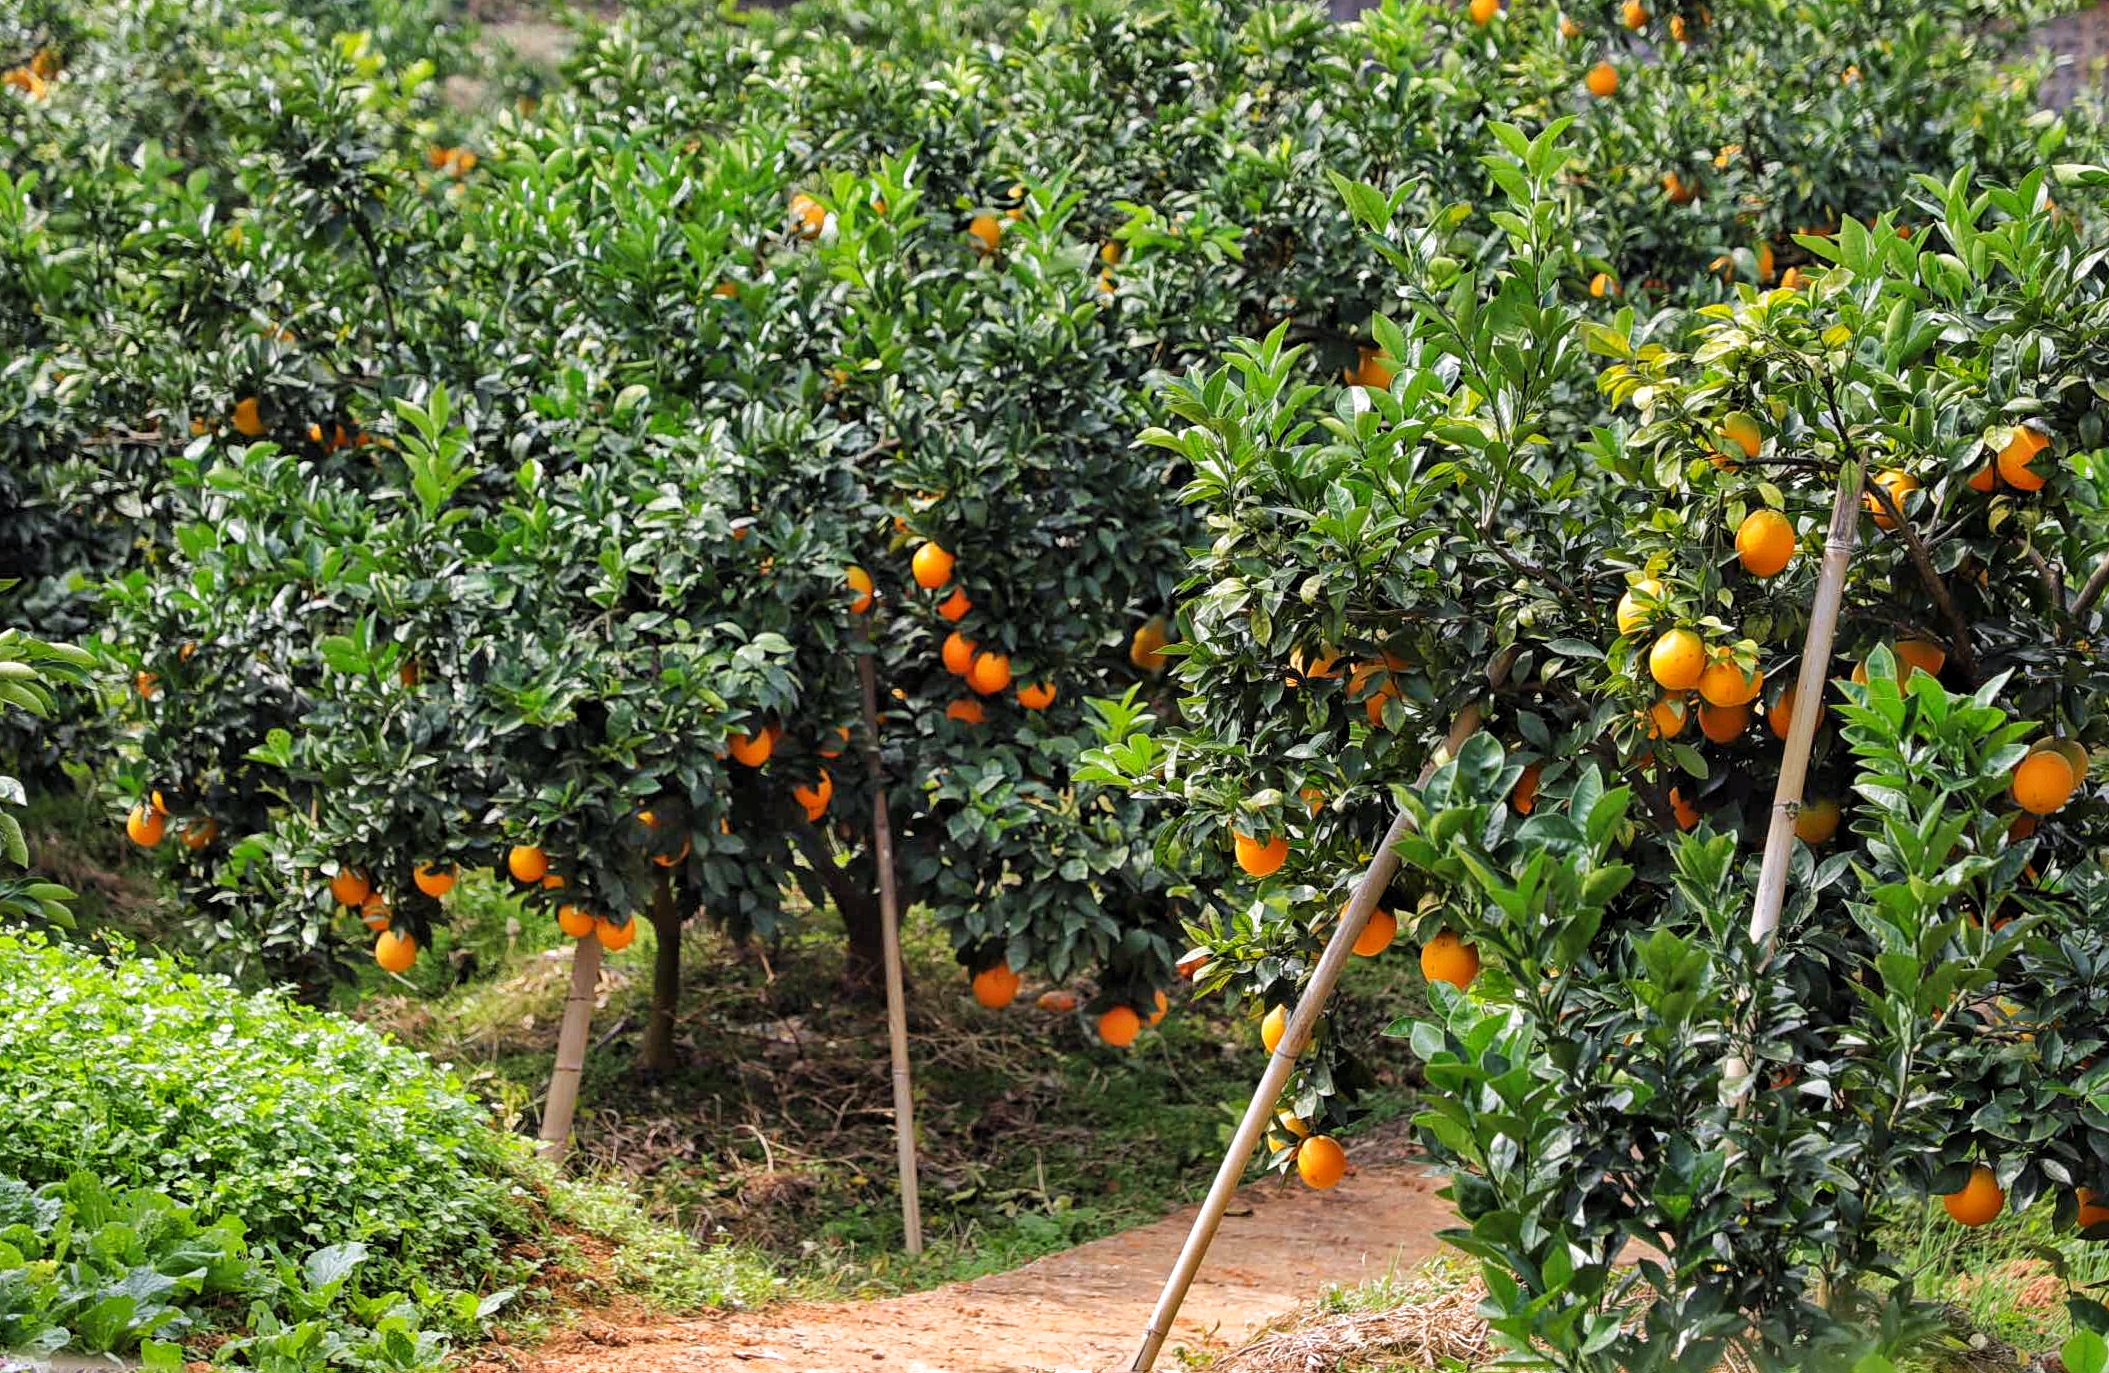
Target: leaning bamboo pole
890 930
563 1099
1382 867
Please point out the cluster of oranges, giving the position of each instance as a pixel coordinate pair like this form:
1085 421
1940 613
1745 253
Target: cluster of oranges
985 672
997 986
147 824
455 162
1982 1199
33 78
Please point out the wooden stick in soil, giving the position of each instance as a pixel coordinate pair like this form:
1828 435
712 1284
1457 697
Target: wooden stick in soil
890 933
571 1048
1302 1021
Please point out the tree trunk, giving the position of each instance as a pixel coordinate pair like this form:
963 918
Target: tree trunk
864 963
656 1055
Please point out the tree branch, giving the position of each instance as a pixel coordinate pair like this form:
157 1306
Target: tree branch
2092 591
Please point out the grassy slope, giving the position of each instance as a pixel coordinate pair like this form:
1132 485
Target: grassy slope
775 1136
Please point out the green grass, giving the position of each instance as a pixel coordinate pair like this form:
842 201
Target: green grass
774 1138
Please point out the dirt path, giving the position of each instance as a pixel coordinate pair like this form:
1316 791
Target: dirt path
1071 1312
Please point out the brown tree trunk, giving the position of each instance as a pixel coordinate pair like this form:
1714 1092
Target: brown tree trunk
864 962
656 1055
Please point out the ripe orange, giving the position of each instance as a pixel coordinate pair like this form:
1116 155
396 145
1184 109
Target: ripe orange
932 566
1724 683
987 231
1569 29
1320 1161
1373 368
1111 251
1741 429
432 881
955 606
2016 460
1781 716
808 215
1898 484
527 863
1036 695
144 826
1525 797
2094 1210
1272 1027
668 860
1642 599
815 798
1377 935
990 673
1324 665
1446 958
574 922
1119 1026
1677 30
1603 283
996 987
395 951
2074 754
552 881
967 711
834 750
147 684
198 832
1979 1201
248 418
1723 724
1765 543
1634 15
1057 1002
1160 1006
1483 11
1792 279
1145 649
1667 716
1985 480
350 887
2043 782
1257 859
373 912
1682 807
1817 821
1602 81
1678 660
613 937
752 750
1678 190
958 653
1920 655
860 582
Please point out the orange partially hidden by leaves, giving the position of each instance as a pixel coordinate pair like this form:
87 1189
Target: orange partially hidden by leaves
146 684
955 606
199 832
1639 603
1682 807
1817 821
1765 543
1921 655
527 863
1899 484
833 748
1446 958
1320 1161
1119 1026
1057 1002
1741 429
1146 649
1322 666
996 987
1525 797
1603 284
967 711
1634 15
395 951
1373 368
1036 695
2016 460
987 231
1677 29
932 566
2043 782
860 582
1725 683
815 798
613 937
552 881
350 887
1677 660
2093 1209
1483 11
432 881
144 826
1781 716
990 673
668 860
958 653
1160 1006
808 216
752 750
574 922
1666 718
1792 279
1258 859
248 417
1602 81
1985 480
1679 191
1979 1201
374 913
1376 936
1723 724
1273 1026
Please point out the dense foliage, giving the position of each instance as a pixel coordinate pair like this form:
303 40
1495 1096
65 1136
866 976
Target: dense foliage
305 1128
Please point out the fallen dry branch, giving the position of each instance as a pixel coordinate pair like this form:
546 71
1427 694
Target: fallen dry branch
1436 1319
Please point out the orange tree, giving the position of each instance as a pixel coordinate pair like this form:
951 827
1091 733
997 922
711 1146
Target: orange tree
1928 1021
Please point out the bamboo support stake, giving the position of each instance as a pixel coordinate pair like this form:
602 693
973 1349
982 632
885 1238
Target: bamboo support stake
571 1048
890 931
1382 867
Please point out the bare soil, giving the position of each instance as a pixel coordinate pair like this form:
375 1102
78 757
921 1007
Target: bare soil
1081 1311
